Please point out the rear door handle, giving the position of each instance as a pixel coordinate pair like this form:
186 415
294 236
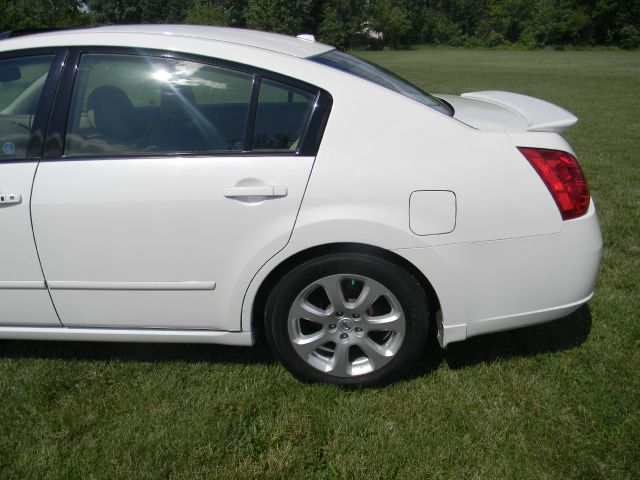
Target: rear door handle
257 191
10 198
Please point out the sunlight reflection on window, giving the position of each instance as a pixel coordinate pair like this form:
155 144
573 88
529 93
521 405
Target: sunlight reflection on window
161 75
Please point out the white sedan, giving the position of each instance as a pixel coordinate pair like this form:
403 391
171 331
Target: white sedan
202 184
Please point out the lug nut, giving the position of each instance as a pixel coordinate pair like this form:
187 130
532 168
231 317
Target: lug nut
358 329
356 315
332 326
338 314
344 335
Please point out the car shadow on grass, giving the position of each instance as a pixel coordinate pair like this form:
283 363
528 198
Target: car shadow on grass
558 335
136 352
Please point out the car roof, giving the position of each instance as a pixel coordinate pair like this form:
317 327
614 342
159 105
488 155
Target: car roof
275 42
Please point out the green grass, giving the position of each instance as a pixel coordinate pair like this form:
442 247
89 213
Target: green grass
553 401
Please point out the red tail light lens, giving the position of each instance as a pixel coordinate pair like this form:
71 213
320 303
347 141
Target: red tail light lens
563 176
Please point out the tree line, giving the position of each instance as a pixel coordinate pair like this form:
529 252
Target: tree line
363 23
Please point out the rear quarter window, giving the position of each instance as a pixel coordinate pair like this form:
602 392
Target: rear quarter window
281 116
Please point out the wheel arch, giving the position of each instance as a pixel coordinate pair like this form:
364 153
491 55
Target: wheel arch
267 284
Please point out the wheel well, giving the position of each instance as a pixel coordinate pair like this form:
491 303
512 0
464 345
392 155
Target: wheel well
277 273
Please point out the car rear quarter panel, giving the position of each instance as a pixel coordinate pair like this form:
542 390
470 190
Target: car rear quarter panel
378 148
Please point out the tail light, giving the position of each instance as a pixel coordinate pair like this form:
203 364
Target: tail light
563 176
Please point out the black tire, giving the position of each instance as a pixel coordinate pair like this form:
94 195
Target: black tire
403 287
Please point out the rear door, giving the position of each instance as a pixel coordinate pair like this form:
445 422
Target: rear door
165 187
27 84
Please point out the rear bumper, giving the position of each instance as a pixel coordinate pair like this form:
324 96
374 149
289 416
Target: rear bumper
499 285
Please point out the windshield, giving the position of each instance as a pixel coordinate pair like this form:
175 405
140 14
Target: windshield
376 74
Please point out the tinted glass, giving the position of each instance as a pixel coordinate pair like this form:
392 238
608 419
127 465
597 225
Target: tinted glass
128 104
281 116
21 84
376 74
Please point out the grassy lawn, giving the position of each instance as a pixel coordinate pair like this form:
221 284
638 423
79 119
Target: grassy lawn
554 401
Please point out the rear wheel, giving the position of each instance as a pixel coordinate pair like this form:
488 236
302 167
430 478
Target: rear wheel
351 319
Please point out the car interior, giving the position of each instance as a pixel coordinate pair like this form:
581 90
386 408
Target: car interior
111 124
16 118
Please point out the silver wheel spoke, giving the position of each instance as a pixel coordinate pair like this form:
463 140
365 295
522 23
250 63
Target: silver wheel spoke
304 345
370 293
340 362
303 309
333 288
392 322
377 354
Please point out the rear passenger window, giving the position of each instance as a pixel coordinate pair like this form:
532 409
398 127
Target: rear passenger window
130 104
281 116
21 84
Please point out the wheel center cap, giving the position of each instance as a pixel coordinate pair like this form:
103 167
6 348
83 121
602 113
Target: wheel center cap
346 325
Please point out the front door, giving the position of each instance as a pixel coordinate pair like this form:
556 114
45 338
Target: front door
24 299
178 181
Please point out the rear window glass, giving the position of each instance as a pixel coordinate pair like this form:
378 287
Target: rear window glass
378 75
128 104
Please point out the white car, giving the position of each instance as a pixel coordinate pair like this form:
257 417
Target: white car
202 184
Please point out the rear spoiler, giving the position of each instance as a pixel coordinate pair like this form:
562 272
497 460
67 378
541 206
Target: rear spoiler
540 116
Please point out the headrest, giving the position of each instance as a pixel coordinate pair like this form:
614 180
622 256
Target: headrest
113 113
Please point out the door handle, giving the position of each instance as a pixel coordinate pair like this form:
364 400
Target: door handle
10 198
256 191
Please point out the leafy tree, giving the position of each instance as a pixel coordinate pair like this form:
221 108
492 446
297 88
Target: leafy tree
545 24
437 28
507 18
342 22
577 25
608 18
206 13
234 11
33 14
281 16
467 14
392 19
115 11
164 11
629 37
